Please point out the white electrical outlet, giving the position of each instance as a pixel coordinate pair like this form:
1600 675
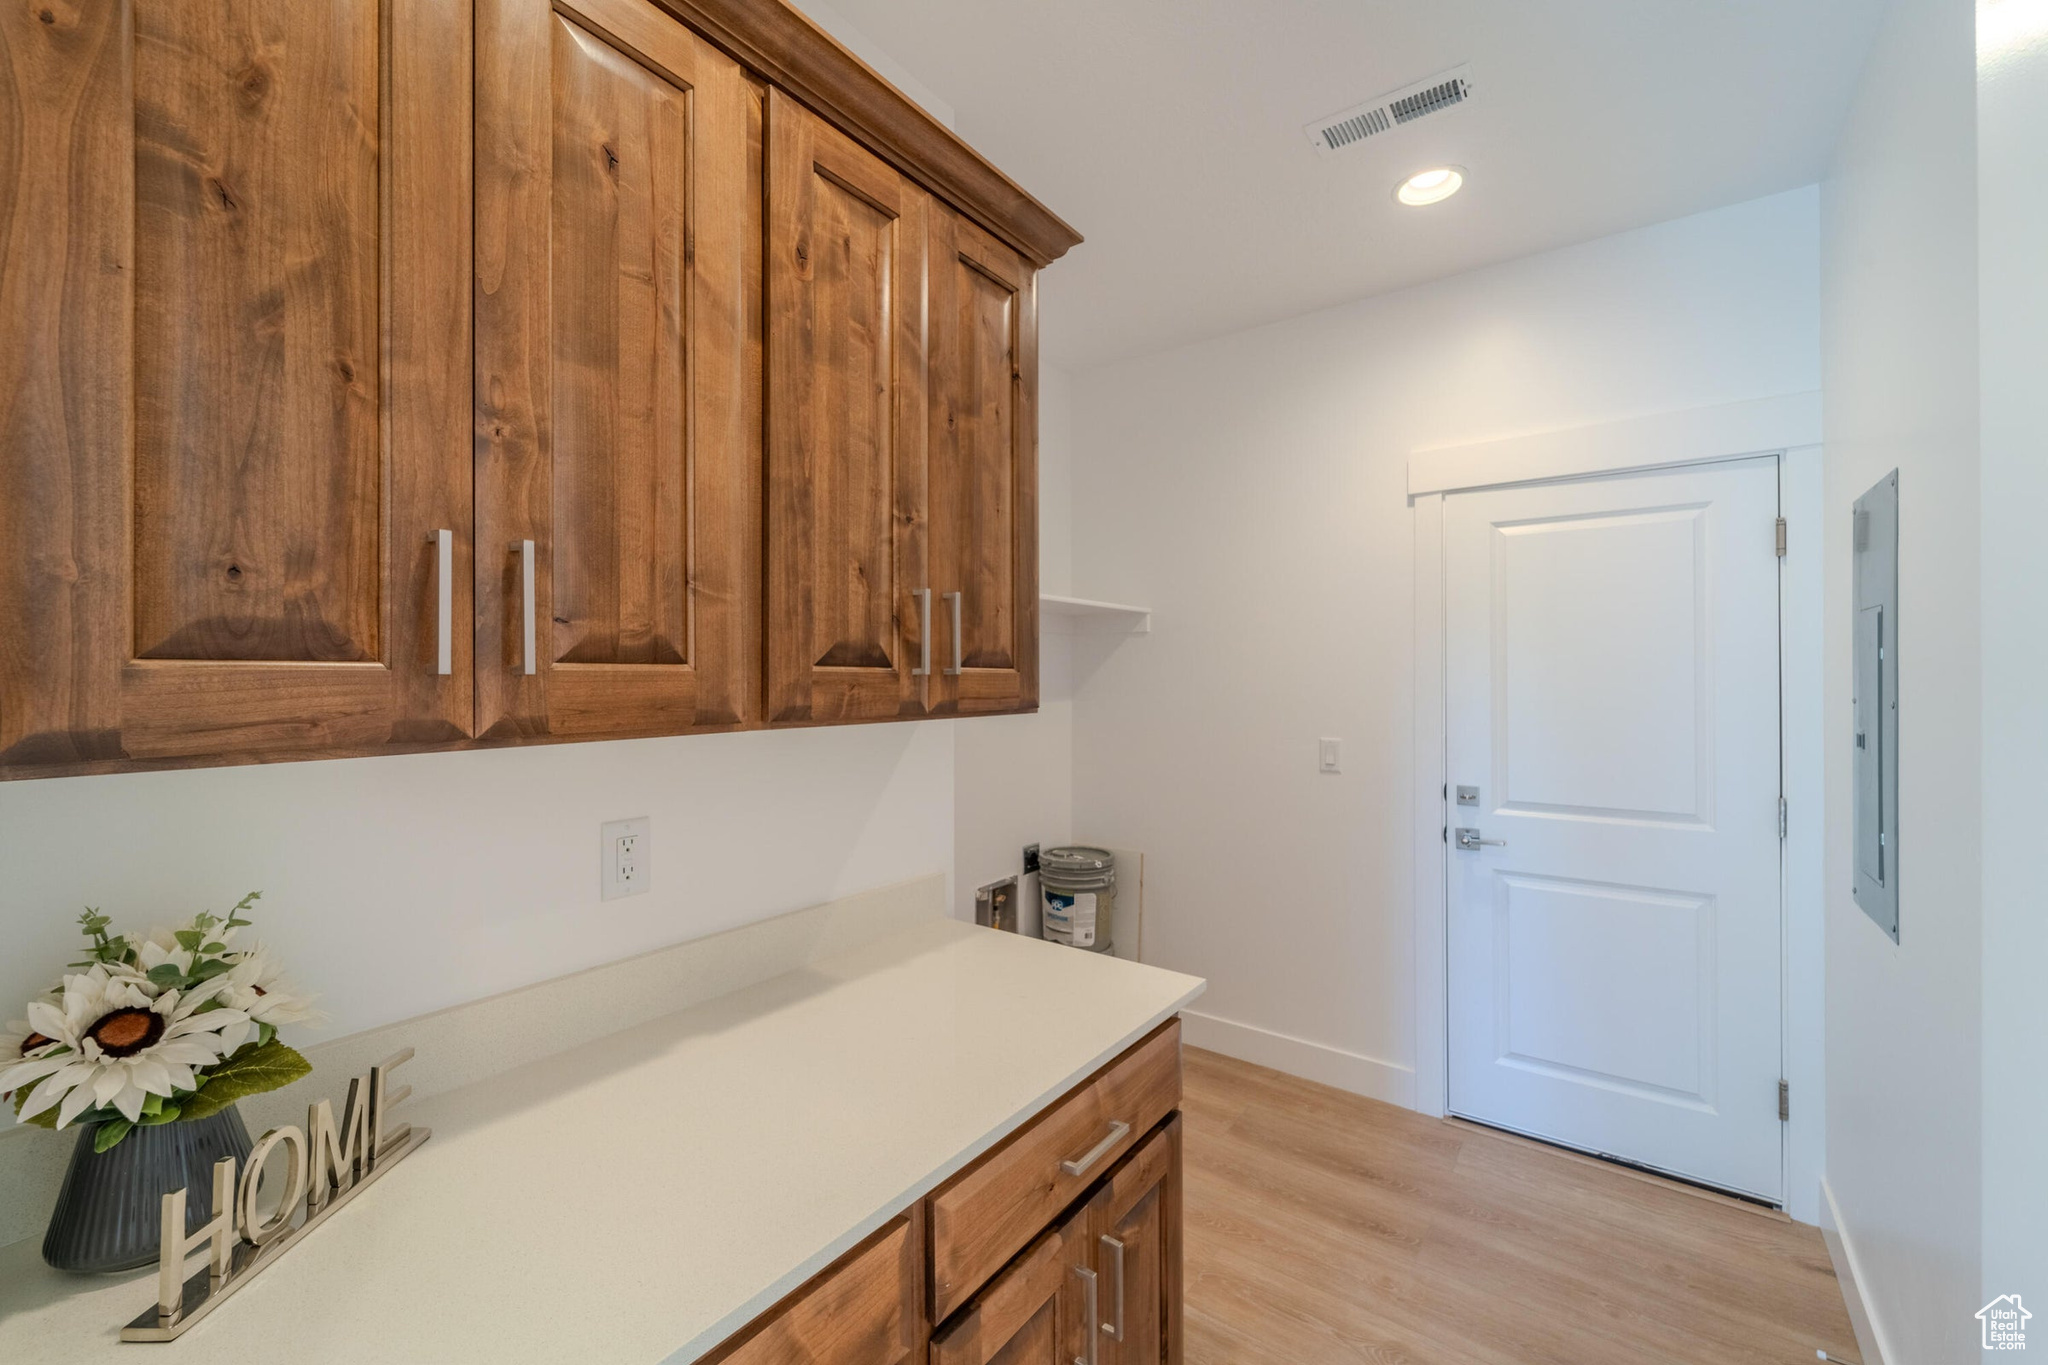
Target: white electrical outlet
1329 755
626 854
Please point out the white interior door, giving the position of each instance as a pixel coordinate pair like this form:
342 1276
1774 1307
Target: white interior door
1611 678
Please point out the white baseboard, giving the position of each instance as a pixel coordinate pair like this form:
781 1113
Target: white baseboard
1319 1062
1869 1339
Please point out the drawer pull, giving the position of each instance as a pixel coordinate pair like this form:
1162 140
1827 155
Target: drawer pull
1092 1316
1116 1332
1118 1131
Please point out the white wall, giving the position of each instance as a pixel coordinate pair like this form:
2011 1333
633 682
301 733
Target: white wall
2012 131
1900 326
1251 491
394 886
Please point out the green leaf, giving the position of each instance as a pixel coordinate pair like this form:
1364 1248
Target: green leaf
46 1119
214 948
265 1032
207 971
189 939
109 1133
168 1114
166 974
152 1103
252 1071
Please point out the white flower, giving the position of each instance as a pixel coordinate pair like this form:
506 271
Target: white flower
114 1041
21 1038
256 986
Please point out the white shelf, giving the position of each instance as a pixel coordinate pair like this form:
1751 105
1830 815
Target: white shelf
1081 616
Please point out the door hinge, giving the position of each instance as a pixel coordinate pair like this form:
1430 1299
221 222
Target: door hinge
1781 537
1782 818
1784 1101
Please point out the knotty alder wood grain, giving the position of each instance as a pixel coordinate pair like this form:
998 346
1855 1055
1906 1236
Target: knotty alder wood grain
780 44
986 1214
984 469
243 224
846 426
866 1309
289 289
1140 1212
1032 1314
1325 1227
612 356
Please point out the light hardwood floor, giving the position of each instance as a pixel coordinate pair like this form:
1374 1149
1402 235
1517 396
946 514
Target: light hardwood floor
1323 1227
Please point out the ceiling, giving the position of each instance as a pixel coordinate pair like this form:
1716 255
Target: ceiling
1169 133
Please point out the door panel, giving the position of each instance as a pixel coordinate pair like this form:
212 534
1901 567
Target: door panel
611 361
1612 688
984 477
1035 1312
1136 1246
220 480
846 439
258 469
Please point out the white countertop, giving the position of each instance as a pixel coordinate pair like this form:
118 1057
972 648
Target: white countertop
639 1199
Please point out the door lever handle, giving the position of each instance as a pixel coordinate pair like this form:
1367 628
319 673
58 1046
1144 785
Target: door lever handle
1469 840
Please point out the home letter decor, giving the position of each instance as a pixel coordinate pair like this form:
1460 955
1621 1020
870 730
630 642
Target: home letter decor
324 1167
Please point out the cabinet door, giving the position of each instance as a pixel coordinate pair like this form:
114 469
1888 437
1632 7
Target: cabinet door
1037 1312
613 459
1135 1249
233 378
846 427
984 469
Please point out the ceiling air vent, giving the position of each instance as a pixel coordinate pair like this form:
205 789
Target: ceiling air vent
1360 123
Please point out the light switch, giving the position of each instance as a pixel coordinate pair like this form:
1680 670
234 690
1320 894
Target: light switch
1329 755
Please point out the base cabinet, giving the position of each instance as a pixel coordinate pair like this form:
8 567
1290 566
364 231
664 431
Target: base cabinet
1099 1285
1038 1312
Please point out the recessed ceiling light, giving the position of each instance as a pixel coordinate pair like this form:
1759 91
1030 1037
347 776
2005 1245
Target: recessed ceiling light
1431 186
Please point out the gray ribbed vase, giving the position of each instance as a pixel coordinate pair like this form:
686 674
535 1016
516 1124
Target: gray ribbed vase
109 1211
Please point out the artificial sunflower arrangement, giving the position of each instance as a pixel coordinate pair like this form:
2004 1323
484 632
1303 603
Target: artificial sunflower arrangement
145 1031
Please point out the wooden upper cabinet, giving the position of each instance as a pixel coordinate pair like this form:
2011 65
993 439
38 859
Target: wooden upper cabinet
984 469
846 427
614 464
233 378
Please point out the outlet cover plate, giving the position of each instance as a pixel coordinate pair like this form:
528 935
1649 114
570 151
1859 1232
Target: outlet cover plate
626 858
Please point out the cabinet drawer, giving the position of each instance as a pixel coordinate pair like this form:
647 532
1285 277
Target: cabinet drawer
989 1212
862 1311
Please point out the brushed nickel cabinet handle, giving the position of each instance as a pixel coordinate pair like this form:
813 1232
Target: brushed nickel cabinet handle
528 663
1116 1248
1118 1131
924 632
953 602
444 601
1093 1315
